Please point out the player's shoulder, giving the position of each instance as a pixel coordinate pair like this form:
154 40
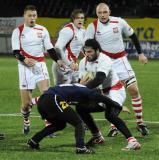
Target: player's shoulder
68 28
113 19
40 27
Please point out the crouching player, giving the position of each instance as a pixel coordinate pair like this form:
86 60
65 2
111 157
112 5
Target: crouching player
53 106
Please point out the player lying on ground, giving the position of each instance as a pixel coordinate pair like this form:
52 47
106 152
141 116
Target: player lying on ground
53 106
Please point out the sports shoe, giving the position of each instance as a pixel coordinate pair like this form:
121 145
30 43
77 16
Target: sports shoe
112 132
142 128
84 150
95 140
33 145
134 145
2 136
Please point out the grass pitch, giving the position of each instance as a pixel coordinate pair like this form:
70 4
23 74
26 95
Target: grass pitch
62 147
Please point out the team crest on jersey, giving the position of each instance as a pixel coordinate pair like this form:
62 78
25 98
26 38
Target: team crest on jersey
115 30
39 34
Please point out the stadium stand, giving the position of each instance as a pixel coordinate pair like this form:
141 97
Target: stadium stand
50 8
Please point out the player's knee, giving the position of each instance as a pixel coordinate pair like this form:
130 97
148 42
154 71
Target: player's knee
133 90
26 106
112 114
61 126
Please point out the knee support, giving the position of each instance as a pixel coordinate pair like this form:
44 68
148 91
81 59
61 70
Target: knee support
130 81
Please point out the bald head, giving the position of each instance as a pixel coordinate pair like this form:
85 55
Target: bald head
103 12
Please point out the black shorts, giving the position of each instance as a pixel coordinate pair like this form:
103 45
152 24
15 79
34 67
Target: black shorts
51 106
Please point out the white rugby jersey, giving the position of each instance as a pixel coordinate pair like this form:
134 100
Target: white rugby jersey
102 64
33 40
70 42
109 35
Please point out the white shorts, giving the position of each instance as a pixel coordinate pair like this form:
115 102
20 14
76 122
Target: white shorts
118 96
64 76
29 76
123 68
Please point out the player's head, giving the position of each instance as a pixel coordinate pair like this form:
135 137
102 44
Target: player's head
103 12
92 49
30 15
78 18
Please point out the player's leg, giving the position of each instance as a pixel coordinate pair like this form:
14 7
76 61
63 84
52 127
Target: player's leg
111 116
127 75
71 117
118 96
84 110
26 97
43 85
26 85
47 108
137 107
52 128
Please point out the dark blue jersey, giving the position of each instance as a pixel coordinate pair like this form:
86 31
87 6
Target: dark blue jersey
71 92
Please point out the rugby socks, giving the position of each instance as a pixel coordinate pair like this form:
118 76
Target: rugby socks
137 107
26 114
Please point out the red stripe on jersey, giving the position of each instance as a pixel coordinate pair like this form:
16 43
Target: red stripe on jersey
38 29
70 53
113 21
117 86
39 59
115 55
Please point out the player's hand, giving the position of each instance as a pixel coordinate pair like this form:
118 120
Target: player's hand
29 62
143 59
61 64
74 66
83 82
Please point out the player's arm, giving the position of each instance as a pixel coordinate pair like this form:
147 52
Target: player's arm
65 36
103 69
135 40
16 45
16 49
129 32
90 32
97 97
52 52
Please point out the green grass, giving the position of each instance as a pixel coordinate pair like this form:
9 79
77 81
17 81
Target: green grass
62 147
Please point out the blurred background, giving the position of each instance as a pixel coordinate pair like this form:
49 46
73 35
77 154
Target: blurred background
142 15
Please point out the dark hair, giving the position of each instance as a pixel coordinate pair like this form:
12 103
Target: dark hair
93 44
30 7
75 12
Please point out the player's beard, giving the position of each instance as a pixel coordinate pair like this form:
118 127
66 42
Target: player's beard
93 58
